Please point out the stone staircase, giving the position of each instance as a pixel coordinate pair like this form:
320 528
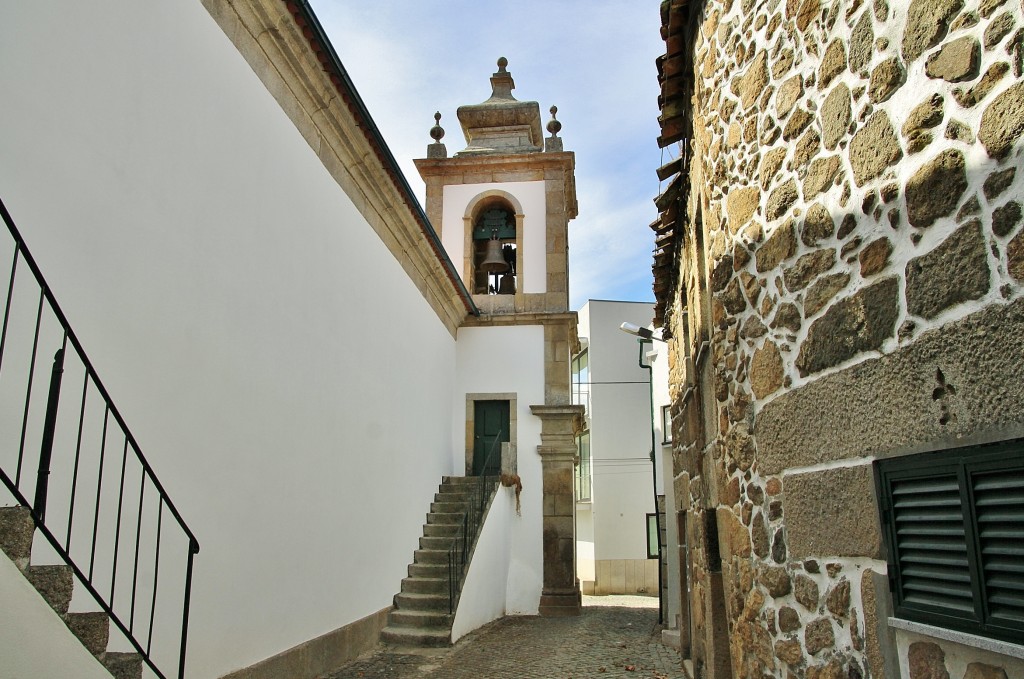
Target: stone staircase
420 616
56 585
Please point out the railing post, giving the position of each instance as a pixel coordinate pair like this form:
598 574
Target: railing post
49 424
193 549
451 582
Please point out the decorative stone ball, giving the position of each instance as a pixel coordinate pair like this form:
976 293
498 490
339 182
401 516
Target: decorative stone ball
553 125
502 63
437 132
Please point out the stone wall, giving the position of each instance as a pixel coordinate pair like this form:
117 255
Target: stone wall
855 258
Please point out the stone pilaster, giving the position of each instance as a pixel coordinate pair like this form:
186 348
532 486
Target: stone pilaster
560 595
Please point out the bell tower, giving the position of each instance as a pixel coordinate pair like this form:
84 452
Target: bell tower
502 207
469 202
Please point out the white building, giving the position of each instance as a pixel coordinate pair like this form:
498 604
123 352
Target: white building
281 328
615 487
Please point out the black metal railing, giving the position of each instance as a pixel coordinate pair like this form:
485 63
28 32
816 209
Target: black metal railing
465 538
94 496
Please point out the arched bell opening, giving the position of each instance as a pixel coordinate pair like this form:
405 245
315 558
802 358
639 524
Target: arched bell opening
495 255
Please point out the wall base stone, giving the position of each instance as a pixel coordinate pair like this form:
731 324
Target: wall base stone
322 655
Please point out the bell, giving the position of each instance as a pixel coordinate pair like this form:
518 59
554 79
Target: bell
507 285
494 261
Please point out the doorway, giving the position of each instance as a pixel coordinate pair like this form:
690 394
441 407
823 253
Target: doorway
490 429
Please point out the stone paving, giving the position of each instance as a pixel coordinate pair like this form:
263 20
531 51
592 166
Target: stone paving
615 637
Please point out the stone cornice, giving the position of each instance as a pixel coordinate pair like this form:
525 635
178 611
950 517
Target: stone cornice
569 318
553 165
564 160
296 67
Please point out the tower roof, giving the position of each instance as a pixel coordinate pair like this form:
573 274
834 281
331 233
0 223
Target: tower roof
502 124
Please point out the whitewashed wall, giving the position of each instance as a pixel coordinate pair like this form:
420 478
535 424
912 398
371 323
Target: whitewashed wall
503 360
484 592
533 262
658 359
289 384
620 430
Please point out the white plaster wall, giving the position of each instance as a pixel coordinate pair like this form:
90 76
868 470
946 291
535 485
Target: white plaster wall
287 381
959 656
620 427
34 641
497 360
585 568
533 269
657 358
483 593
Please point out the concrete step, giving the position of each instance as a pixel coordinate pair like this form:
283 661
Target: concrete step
447 507
432 556
441 543
422 602
429 570
441 530
123 665
452 498
421 616
419 619
16 531
445 517
411 636
92 629
455 493
415 585
458 480
55 583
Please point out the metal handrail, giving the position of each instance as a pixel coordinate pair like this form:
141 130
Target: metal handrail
102 567
466 535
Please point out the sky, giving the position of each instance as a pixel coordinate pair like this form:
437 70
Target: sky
594 59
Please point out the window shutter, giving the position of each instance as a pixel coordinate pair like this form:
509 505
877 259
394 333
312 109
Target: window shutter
954 528
931 546
999 508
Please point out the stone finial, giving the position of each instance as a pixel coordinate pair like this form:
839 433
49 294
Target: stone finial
502 83
437 149
553 125
553 143
437 132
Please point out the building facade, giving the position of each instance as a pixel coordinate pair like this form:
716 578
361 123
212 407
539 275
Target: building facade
840 266
615 479
299 348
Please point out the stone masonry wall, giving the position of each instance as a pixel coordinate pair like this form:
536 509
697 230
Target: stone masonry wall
855 203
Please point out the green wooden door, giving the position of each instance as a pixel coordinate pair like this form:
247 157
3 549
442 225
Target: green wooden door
490 429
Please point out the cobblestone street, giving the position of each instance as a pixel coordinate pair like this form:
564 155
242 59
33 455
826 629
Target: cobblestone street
616 637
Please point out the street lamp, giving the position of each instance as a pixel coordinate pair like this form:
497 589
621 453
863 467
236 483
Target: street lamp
645 335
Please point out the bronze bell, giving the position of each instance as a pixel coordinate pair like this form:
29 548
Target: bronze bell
494 261
507 285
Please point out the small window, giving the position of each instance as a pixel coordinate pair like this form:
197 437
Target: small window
666 425
652 536
953 523
583 481
581 380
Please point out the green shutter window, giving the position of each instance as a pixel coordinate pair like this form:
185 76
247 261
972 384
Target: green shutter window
999 507
931 543
954 529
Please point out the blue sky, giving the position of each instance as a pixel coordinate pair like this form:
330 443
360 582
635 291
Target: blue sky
594 59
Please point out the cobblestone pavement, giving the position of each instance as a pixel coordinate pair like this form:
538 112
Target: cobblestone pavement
616 637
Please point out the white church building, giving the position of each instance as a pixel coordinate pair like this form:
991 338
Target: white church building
246 381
